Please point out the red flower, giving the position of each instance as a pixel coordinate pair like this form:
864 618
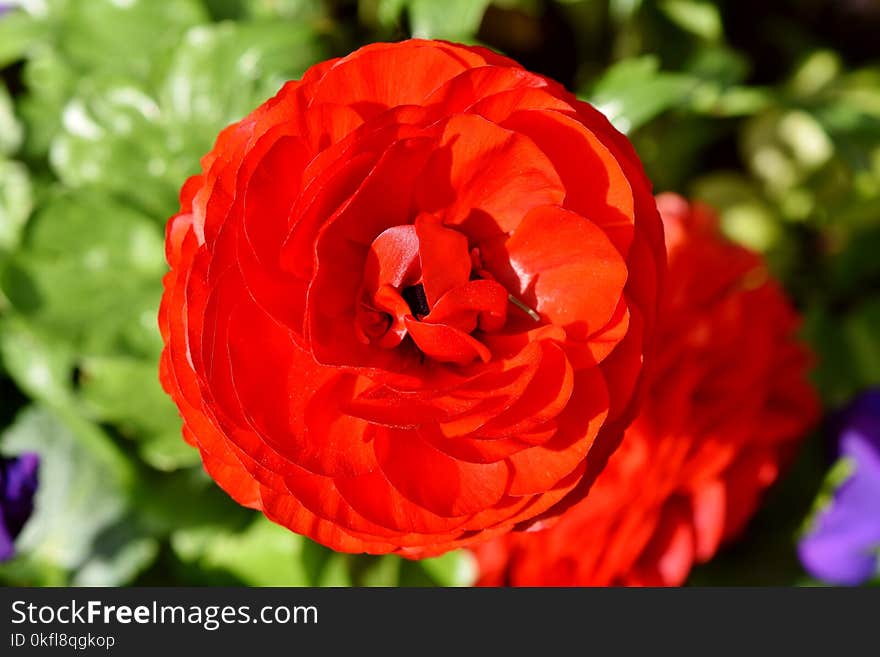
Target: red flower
726 404
409 299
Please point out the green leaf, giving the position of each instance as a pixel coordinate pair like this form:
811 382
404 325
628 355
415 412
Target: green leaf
378 571
117 557
837 475
111 135
115 131
846 345
718 64
733 101
456 568
90 274
126 392
623 10
42 367
11 132
634 91
720 92
71 42
815 73
855 264
16 202
39 365
20 33
388 11
264 554
336 571
860 329
292 10
221 72
745 216
158 500
80 532
453 19
695 16
125 37
50 80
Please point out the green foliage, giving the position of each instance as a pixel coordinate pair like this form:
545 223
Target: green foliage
634 91
261 555
453 19
16 202
107 106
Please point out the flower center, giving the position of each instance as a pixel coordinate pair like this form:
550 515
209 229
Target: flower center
415 298
425 288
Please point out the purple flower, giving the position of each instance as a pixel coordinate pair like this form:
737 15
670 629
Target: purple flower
843 546
18 483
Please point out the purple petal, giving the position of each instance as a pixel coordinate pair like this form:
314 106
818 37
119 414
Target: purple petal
7 542
832 560
18 484
843 546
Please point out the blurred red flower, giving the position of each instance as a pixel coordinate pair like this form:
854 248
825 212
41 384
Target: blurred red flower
410 298
727 401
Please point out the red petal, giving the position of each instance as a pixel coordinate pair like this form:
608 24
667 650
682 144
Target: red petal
436 481
444 257
708 502
544 399
393 259
539 468
460 93
384 75
485 178
670 555
595 184
374 497
446 344
480 302
564 267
